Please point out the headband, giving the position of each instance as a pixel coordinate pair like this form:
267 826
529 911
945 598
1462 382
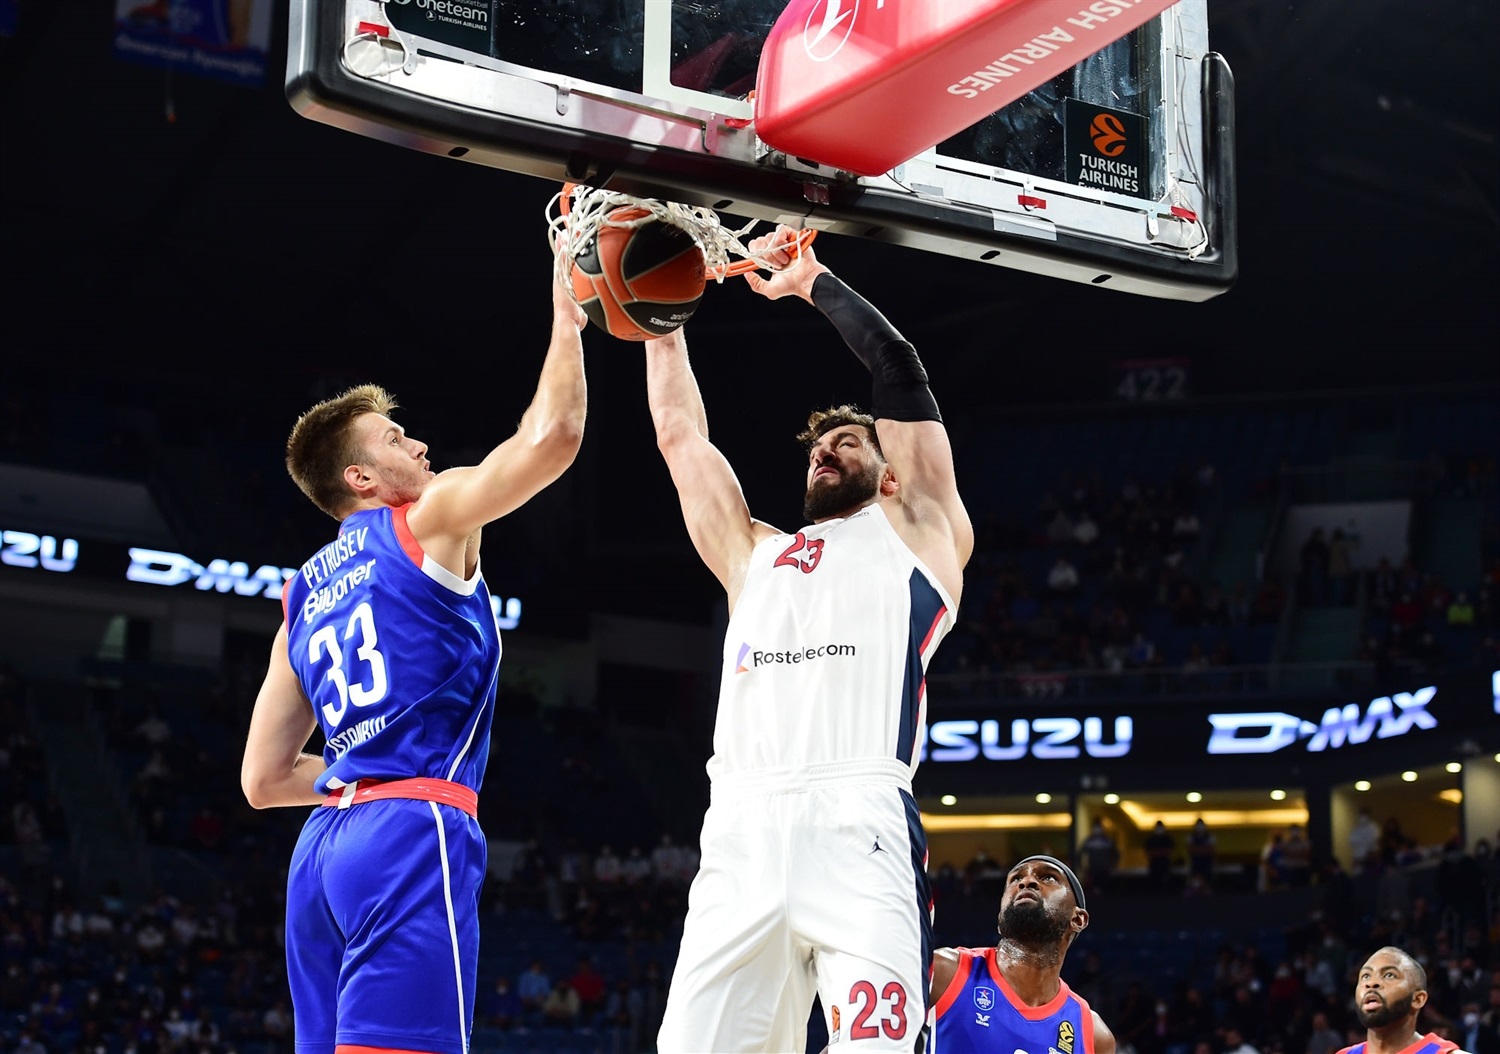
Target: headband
1067 871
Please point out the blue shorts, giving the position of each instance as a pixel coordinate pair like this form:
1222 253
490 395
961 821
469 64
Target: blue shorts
382 927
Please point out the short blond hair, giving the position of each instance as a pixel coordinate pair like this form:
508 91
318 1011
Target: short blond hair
323 444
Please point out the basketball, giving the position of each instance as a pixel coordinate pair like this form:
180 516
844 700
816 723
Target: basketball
639 282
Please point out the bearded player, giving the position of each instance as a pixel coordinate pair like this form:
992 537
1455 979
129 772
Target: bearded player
813 876
1012 996
1388 998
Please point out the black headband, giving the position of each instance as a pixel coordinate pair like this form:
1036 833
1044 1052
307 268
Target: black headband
1067 873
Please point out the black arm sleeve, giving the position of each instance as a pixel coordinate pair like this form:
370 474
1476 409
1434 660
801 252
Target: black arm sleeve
901 392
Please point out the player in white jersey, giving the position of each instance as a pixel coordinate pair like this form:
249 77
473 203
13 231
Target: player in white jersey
813 875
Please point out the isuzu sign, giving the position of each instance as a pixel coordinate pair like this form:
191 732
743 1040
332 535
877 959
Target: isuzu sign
1041 737
1266 733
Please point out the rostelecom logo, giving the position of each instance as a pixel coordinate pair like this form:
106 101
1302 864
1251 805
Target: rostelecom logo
739 661
1108 134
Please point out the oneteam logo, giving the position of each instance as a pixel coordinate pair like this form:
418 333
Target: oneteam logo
1265 733
829 24
1108 134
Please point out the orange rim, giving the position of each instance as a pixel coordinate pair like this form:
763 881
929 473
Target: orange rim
804 238
796 248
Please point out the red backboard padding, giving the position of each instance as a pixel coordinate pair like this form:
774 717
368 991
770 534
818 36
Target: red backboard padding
863 85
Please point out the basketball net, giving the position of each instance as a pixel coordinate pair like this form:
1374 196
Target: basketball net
576 214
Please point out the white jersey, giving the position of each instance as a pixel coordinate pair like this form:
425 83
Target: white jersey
826 654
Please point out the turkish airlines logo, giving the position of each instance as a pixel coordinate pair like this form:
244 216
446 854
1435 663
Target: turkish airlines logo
829 24
1108 134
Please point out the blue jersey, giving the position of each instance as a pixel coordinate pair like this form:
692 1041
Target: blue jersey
1431 1043
399 656
979 1013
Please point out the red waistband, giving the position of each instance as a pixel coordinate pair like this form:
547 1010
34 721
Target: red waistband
444 792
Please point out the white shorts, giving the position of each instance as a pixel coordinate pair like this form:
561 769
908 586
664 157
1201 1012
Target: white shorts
817 886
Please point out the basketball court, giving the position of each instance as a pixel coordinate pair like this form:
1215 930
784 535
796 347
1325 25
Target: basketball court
1087 141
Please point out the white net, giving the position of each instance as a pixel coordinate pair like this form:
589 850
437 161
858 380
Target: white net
576 214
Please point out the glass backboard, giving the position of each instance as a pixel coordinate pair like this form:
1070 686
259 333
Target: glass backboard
653 98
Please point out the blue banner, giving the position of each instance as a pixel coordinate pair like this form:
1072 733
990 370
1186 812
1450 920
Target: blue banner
10 17
224 39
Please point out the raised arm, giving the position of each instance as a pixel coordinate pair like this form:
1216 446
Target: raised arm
275 771
461 500
713 505
907 423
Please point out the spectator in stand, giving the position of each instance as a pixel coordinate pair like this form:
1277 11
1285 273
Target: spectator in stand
590 986
1392 840
533 986
1489 1023
1159 849
1296 858
562 1006
1100 855
1364 841
1200 846
1185 526
1062 579
276 1022
1460 615
1142 653
636 868
1060 529
502 1005
1313 572
1085 529
666 861
1235 1043
607 869
1406 612
1340 568
1187 608
1271 876
1323 1039
153 732
1385 586
206 831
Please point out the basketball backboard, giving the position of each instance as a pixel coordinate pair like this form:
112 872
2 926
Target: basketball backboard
653 98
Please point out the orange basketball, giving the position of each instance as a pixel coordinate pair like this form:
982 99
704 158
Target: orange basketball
639 282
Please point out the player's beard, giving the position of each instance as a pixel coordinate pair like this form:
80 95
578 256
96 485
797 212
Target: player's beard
1029 923
849 491
1387 1013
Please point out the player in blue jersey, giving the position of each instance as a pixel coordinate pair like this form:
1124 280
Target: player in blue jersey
1388 998
1012 998
391 647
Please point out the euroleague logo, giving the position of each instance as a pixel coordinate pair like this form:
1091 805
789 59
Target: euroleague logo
829 24
1108 133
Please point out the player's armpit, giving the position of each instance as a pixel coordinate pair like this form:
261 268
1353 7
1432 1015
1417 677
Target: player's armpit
921 457
274 770
944 969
